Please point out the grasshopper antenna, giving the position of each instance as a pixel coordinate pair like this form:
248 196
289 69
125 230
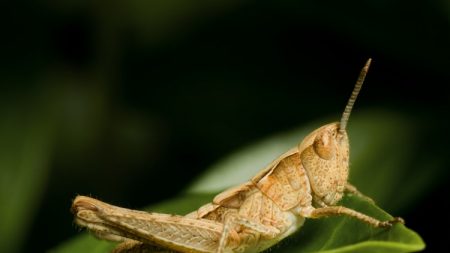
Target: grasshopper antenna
351 100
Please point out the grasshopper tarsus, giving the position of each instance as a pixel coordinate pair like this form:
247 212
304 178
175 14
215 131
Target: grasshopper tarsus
390 223
398 220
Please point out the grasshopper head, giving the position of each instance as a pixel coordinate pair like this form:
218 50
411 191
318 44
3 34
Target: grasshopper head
325 153
325 159
329 141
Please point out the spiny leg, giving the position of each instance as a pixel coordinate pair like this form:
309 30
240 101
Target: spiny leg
341 210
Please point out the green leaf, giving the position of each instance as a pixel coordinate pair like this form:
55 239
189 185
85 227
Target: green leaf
85 243
337 234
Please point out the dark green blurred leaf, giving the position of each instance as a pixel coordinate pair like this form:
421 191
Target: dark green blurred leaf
26 134
85 243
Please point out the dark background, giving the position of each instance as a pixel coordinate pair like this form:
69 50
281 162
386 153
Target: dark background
129 101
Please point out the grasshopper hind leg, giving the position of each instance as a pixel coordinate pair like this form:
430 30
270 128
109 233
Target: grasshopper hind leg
251 235
131 246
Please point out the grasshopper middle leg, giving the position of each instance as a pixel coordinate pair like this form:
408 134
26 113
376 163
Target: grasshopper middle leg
342 210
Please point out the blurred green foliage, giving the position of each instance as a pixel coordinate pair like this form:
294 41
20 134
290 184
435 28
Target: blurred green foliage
25 152
115 98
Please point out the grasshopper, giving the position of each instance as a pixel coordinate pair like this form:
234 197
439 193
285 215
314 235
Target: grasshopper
305 182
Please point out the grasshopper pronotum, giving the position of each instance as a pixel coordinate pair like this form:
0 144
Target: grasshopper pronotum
305 182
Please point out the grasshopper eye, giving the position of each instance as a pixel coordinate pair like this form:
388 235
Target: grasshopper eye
324 144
